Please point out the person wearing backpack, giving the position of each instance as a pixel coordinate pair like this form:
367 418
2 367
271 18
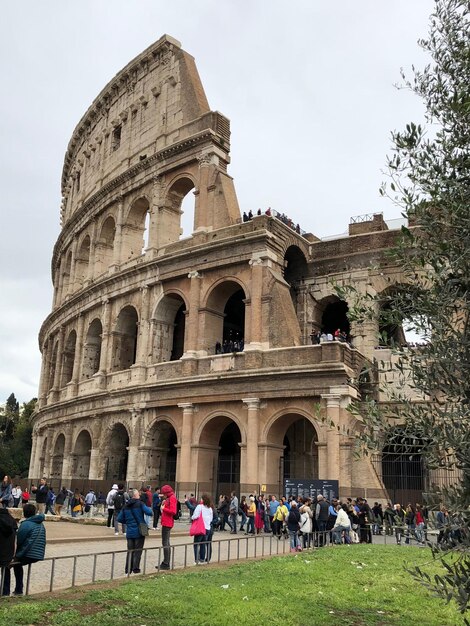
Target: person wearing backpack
120 500
169 508
132 516
30 544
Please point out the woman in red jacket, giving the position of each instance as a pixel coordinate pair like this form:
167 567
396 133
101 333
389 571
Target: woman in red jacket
168 509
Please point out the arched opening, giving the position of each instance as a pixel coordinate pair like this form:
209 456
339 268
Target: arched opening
68 358
58 457
335 317
403 467
118 450
104 249
125 339
133 230
295 270
225 318
293 450
82 455
169 328
161 453
391 331
82 263
219 456
92 349
182 203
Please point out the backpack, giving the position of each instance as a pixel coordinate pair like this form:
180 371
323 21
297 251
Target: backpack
177 515
119 500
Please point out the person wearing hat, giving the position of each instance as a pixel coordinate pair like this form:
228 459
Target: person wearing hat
110 505
168 510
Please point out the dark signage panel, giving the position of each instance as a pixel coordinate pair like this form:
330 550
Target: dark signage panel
308 488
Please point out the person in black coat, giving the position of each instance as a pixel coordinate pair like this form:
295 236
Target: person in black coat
8 528
293 525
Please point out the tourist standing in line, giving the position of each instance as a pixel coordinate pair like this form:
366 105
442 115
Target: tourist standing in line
200 541
41 495
60 499
321 518
131 516
121 498
306 524
30 544
8 528
293 526
233 510
156 502
16 492
5 491
342 525
273 504
168 509
110 504
250 513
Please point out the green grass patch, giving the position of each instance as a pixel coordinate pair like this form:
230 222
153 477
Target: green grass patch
353 586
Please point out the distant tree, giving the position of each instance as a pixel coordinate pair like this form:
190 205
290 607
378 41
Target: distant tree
430 180
15 448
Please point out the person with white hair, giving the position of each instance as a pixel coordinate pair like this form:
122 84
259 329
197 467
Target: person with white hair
133 517
110 506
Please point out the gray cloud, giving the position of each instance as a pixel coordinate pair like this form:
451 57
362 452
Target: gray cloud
308 87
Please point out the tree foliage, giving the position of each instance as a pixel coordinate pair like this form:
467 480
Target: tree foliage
15 437
429 178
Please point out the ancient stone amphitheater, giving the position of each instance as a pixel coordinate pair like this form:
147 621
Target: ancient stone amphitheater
190 359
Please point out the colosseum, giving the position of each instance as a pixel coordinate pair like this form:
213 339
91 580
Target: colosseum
194 360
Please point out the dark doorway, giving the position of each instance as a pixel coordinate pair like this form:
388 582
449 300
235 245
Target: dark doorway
335 316
234 318
228 470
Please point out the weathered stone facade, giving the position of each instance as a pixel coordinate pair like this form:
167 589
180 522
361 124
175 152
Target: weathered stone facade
131 384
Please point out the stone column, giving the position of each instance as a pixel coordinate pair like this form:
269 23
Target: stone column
250 470
144 328
42 392
105 356
117 258
332 437
254 340
201 210
95 464
154 215
58 363
91 259
33 470
192 320
67 463
77 365
185 473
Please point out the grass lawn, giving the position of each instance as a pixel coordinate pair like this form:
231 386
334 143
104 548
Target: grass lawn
354 586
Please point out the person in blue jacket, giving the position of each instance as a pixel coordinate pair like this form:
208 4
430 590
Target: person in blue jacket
132 515
30 544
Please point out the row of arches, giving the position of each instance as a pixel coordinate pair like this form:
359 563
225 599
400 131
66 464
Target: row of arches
123 234
226 327
220 443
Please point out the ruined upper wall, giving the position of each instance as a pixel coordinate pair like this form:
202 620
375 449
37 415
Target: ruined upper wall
141 111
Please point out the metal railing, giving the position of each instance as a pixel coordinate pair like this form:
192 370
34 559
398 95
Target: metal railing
63 572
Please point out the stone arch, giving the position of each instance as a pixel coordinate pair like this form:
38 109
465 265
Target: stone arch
220 438
82 454
292 438
117 449
58 456
295 271
82 262
124 349
169 325
134 229
68 358
180 203
404 471
104 248
224 321
331 314
390 327
92 349
160 446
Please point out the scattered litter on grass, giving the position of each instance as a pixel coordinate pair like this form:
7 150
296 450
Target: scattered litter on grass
393 589
224 586
307 562
366 589
245 598
359 567
320 593
380 612
331 612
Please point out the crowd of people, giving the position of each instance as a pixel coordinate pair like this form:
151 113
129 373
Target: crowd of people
317 336
247 217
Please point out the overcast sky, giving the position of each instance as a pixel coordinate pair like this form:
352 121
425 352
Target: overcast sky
308 87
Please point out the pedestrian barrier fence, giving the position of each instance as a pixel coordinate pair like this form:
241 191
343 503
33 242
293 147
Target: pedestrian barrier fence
62 572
